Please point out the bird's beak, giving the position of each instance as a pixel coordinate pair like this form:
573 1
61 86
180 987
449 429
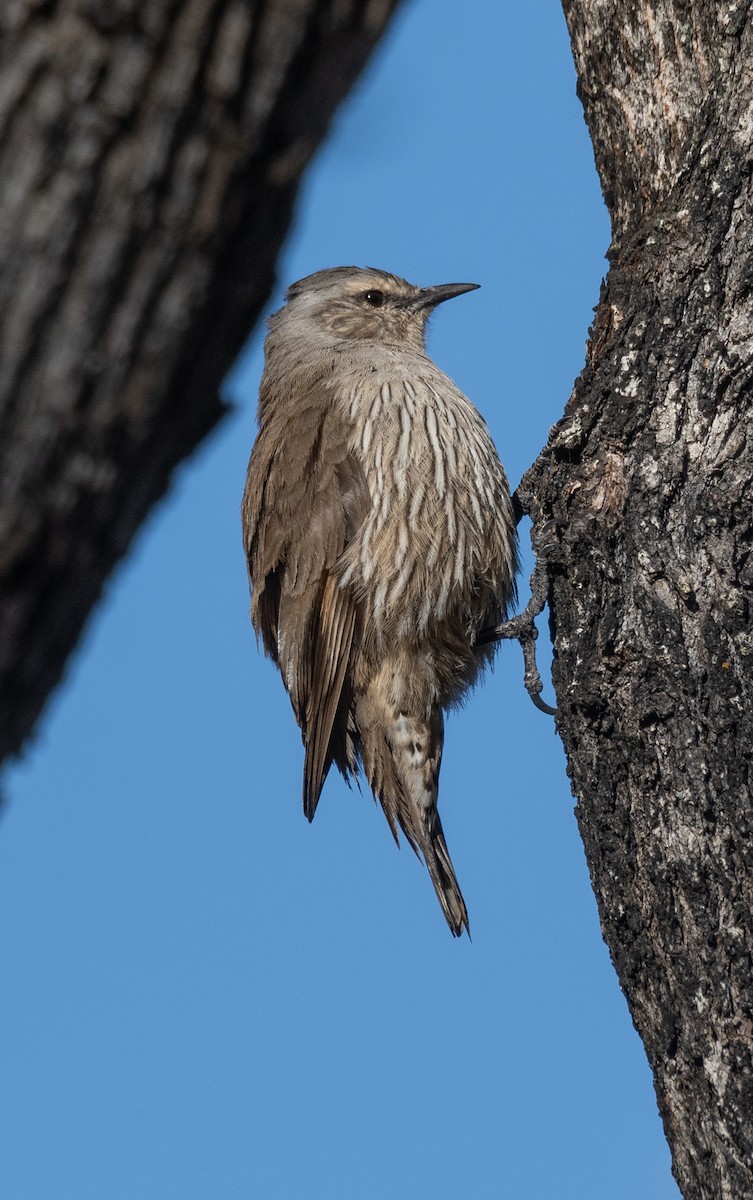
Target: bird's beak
431 296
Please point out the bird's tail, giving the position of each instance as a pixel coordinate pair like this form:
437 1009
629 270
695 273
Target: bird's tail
401 755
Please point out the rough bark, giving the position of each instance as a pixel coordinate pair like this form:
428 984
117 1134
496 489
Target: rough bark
150 156
644 499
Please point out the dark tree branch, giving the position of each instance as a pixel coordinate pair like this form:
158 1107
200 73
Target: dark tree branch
150 156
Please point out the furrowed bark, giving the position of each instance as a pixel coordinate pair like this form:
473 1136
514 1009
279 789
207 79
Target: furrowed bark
647 488
150 156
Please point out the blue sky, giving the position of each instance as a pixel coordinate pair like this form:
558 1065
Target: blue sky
204 996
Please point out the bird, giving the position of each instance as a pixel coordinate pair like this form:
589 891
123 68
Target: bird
380 540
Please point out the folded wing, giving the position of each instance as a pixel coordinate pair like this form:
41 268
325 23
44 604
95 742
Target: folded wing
305 498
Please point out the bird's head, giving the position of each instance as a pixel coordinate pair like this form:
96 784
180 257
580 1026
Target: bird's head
361 304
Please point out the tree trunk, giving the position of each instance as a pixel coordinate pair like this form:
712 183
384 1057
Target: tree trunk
150 156
643 498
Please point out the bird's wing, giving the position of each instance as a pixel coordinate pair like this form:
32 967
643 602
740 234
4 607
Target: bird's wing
305 498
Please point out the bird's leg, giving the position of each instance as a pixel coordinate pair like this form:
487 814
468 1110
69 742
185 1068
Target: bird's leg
523 626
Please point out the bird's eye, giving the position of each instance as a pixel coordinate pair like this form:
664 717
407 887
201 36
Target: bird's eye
374 298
